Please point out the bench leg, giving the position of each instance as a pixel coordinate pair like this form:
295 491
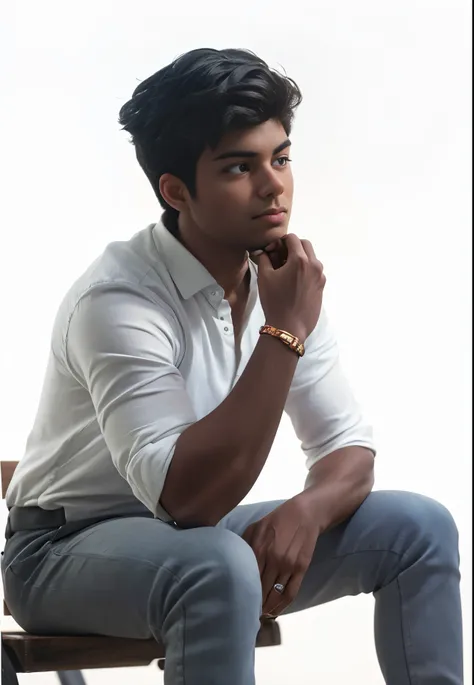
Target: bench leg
8 670
71 678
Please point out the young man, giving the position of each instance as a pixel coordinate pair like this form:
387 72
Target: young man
162 397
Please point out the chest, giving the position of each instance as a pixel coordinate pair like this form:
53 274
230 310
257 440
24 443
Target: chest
217 347
238 313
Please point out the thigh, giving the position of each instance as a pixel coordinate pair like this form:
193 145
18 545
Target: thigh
98 581
244 515
348 558
368 551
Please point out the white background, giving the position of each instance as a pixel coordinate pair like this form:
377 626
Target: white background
383 174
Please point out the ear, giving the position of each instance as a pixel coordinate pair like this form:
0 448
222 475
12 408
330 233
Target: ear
174 191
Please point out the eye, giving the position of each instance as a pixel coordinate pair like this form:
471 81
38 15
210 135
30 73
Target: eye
243 167
238 169
282 161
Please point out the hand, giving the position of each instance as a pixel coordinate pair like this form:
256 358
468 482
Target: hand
277 252
291 284
283 543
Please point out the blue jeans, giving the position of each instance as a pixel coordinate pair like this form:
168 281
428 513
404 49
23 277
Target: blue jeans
199 590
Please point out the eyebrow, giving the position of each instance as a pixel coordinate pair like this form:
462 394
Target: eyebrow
248 153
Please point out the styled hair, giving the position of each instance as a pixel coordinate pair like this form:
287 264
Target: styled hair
189 105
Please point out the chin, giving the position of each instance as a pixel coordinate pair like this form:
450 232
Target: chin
275 233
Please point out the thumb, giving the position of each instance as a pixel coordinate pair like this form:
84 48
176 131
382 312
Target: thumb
263 261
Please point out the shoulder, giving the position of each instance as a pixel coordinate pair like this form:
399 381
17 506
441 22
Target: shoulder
127 281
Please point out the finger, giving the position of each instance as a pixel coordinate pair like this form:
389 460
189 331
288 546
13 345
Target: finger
264 263
262 544
275 259
277 570
272 246
275 250
269 570
297 565
279 254
291 591
308 248
294 247
250 534
269 578
256 541
275 597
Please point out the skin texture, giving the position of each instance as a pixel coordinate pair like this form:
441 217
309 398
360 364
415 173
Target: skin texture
219 228
284 541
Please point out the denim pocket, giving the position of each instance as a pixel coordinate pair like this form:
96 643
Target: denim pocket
24 553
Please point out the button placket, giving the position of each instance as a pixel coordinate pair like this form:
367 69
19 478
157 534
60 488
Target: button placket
224 314
214 297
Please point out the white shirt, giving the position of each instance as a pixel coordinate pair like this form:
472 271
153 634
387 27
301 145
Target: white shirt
142 347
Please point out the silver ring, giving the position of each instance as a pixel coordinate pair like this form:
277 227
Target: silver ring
278 587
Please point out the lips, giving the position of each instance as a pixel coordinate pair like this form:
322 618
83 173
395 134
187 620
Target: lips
272 212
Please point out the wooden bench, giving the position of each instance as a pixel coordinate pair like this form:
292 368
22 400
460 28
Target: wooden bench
68 655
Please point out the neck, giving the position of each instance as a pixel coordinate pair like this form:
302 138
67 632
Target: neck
228 266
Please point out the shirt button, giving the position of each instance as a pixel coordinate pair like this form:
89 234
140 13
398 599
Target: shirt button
226 328
221 318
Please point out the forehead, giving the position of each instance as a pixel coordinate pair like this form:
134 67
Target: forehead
261 139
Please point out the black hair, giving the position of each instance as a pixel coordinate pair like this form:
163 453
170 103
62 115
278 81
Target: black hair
187 106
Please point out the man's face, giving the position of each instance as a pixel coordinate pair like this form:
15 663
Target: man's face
246 175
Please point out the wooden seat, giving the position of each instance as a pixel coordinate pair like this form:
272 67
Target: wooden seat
34 653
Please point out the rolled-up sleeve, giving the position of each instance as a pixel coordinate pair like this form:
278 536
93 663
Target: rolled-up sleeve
123 347
321 405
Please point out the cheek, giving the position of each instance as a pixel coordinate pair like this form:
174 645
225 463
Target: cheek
211 208
224 198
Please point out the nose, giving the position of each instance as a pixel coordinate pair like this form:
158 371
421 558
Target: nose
270 183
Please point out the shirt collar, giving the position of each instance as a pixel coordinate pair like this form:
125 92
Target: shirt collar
188 274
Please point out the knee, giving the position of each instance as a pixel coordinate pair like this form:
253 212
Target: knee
421 520
226 564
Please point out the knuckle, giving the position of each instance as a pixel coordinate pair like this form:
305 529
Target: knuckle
318 265
287 567
318 268
298 566
301 260
281 561
302 565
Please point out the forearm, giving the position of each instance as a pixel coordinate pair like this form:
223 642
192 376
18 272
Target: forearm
337 485
218 459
